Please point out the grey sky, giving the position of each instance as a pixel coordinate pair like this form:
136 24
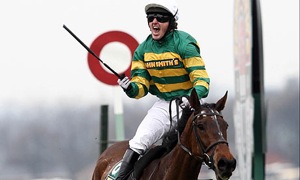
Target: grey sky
40 62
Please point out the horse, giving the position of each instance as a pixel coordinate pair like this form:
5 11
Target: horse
201 138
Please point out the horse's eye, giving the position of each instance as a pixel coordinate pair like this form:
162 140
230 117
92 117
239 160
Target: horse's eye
201 127
226 125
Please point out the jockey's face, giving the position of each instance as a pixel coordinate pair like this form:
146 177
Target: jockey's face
158 25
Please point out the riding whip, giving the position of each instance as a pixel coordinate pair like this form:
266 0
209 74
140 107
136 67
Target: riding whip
92 53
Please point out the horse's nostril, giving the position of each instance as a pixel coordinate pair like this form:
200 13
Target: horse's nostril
225 164
222 164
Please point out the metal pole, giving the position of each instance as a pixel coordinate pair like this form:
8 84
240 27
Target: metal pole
258 163
103 128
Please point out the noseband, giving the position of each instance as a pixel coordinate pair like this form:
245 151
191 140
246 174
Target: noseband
207 159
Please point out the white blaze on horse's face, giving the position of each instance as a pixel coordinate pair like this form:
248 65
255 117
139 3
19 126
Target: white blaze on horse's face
220 134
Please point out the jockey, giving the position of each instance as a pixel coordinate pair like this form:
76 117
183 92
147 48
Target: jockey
167 64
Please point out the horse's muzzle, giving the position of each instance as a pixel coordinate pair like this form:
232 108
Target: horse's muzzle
226 167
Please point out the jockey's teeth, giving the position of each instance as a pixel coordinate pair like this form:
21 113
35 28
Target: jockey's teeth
155 28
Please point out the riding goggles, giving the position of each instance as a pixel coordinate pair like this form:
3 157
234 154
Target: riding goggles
159 17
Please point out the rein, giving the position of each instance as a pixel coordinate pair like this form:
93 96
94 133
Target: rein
207 159
178 101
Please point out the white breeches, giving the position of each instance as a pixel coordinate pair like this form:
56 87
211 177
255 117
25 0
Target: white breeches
154 126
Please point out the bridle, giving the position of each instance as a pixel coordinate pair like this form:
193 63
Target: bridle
207 159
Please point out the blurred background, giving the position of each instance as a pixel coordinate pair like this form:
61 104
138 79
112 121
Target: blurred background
50 101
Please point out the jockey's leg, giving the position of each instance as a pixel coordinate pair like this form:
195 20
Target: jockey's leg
153 127
129 159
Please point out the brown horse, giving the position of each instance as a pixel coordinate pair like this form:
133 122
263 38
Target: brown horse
201 138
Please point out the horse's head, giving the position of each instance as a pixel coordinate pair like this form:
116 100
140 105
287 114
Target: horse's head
210 130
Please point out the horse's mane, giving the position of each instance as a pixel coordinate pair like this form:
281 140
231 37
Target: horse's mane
171 139
209 105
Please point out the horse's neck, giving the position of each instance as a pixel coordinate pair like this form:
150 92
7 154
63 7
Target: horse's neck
181 165
187 166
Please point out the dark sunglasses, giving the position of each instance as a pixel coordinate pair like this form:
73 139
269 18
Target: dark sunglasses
159 17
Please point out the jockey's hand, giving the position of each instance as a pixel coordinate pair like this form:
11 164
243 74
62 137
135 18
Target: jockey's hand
184 103
125 83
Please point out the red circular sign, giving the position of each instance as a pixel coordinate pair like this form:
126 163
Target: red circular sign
98 44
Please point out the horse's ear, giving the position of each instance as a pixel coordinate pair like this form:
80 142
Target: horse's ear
221 103
194 100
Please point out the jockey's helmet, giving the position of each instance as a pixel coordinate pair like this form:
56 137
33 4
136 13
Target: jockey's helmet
170 6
